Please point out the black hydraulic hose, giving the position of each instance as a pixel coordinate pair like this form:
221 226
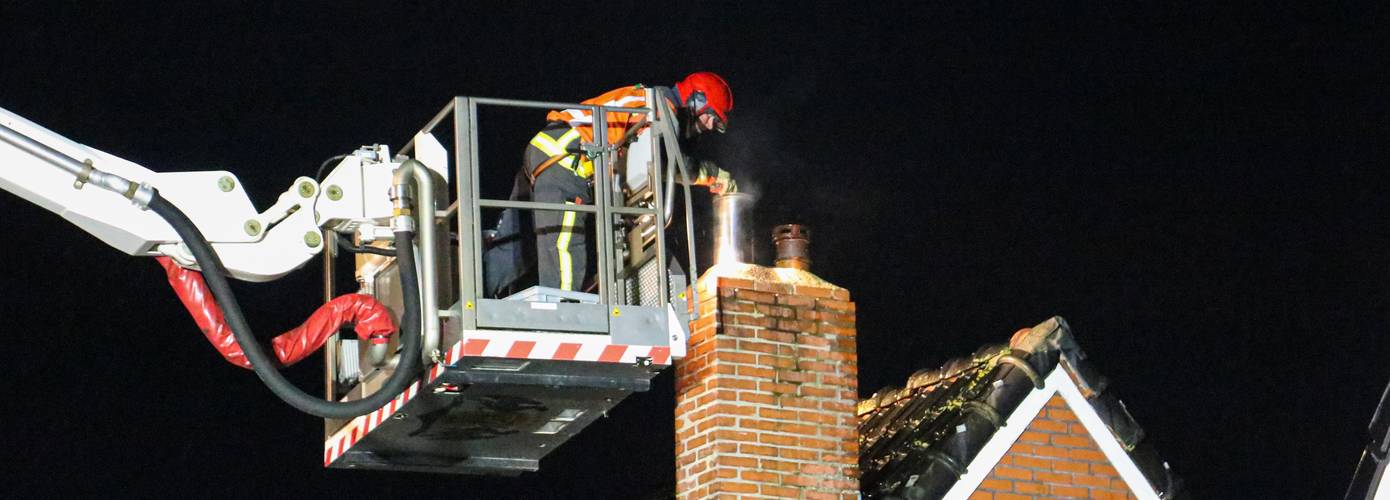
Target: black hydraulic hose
348 247
318 176
266 367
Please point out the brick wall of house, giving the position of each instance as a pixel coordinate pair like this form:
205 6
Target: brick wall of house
766 394
1054 458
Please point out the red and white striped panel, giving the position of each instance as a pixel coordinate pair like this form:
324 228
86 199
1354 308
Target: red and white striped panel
355 430
497 344
358 428
558 346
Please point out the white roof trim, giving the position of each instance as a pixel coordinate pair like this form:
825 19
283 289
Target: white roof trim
1383 486
1002 440
1058 382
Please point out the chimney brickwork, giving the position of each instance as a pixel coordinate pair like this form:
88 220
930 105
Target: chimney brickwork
766 395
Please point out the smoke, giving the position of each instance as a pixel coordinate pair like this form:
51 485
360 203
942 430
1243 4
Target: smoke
759 148
790 145
764 152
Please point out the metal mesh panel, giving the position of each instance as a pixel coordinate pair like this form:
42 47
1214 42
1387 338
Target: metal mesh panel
645 289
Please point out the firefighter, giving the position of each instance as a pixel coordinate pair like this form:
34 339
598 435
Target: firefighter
558 171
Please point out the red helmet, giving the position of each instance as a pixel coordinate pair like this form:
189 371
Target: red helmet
704 92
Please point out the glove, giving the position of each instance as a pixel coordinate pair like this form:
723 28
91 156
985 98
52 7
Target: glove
724 184
718 179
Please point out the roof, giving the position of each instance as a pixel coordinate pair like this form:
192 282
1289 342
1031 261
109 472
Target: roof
920 440
1370 480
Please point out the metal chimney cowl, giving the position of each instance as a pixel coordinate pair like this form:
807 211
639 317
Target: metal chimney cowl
793 244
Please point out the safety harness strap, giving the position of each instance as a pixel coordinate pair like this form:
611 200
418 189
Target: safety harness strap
558 150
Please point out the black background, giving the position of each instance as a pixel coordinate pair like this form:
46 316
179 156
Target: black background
1199 189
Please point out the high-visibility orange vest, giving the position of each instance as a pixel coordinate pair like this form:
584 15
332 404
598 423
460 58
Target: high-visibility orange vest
618 122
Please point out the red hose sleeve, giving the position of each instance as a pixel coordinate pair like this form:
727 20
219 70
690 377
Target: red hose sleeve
372 320
196 297
373 324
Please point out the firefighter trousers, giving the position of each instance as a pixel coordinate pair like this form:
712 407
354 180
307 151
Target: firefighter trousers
562 237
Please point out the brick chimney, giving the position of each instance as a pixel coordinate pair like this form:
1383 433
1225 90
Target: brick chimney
765 404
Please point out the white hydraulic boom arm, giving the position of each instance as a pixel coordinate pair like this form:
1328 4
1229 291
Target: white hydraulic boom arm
254 246
205 219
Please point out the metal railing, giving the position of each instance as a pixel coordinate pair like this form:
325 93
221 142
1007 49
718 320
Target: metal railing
667 162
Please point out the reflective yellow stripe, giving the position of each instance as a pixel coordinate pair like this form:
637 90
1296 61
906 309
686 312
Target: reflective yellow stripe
547 145
554 147
562 244
568 137
586 168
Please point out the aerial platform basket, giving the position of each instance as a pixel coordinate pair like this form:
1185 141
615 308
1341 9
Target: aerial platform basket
512 378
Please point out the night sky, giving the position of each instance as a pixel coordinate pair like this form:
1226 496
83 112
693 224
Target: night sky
1200 190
